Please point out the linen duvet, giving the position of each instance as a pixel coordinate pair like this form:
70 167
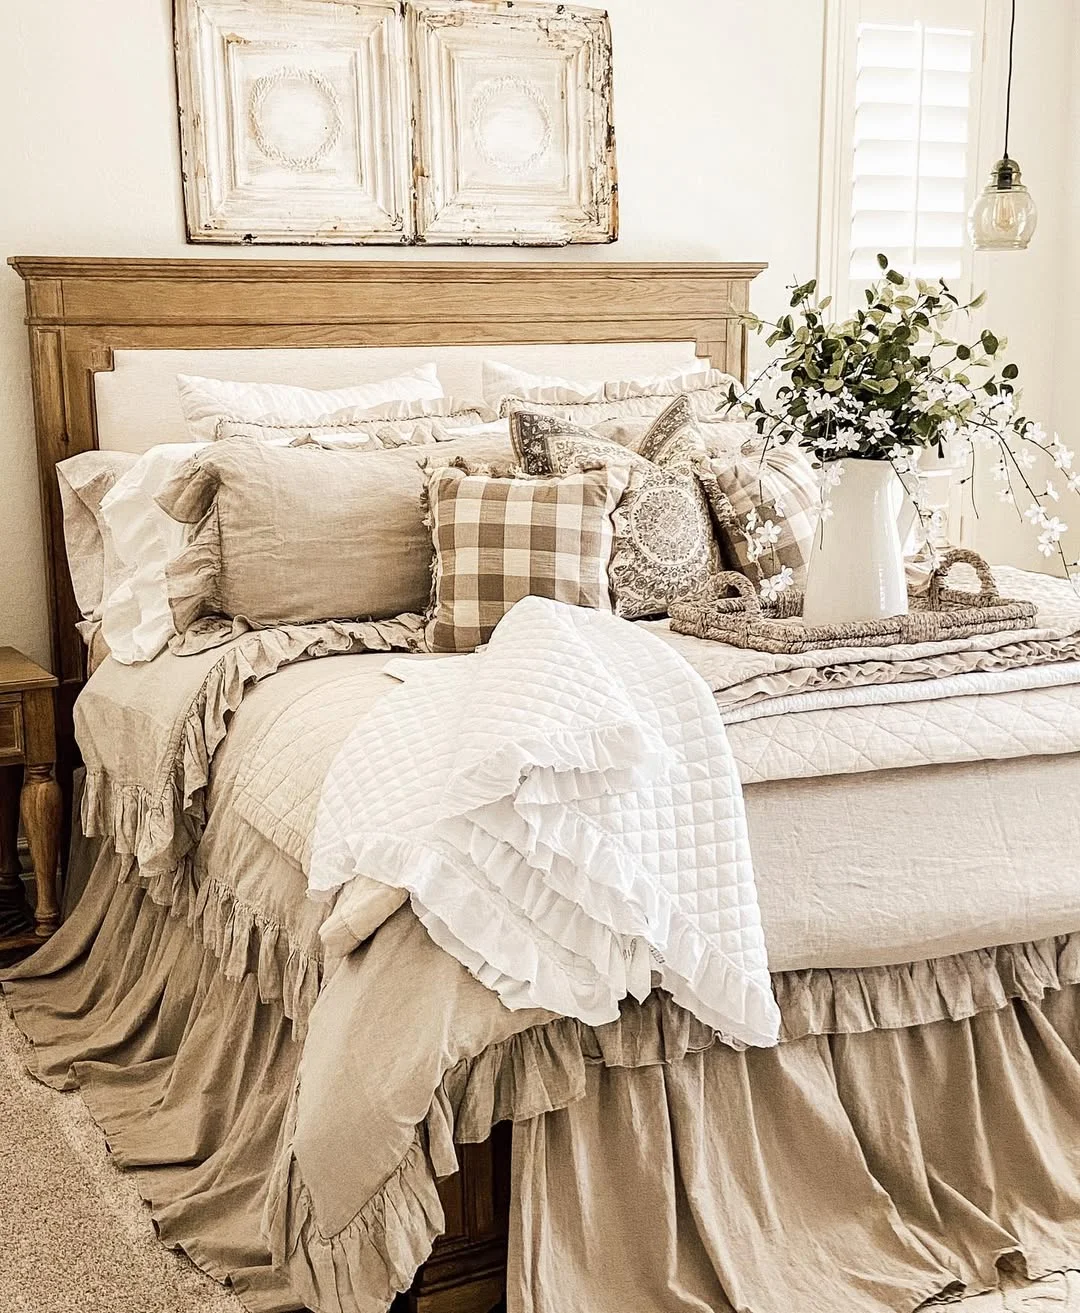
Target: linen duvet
289 1103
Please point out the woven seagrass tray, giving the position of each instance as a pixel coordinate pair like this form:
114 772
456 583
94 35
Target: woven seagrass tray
939 613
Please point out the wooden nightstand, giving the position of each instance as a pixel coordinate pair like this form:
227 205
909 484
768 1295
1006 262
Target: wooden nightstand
27 786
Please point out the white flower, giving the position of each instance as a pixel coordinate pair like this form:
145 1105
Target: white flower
778 506
1026 457
1001 409
779 583
1063 457
826 510
821 403
768 535
1005 495
1001 472
1053 529
903 459
1035 514
832 476
879 423
1073 482
1052 492
1034 432
752 519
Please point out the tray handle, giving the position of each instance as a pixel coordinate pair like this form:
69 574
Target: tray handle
988 593
720 586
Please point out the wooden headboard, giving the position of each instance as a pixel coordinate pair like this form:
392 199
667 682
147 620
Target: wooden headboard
79 311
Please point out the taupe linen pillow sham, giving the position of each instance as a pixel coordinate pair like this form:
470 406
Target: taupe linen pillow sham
293 535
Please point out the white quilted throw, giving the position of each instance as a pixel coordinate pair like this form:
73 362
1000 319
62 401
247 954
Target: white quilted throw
566 816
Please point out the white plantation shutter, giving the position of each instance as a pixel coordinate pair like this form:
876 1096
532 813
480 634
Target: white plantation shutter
907 81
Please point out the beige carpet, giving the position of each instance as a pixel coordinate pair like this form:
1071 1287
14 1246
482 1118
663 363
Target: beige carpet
76 1238
74 1235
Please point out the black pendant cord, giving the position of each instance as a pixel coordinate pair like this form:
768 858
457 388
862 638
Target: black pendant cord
1008 84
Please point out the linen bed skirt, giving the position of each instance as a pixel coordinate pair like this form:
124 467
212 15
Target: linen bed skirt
918 1128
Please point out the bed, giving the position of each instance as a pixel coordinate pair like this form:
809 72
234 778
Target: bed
869 918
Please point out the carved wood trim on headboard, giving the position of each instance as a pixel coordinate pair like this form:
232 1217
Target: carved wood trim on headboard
79 311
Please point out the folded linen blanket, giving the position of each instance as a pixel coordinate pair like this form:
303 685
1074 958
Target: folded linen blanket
566 815
743 677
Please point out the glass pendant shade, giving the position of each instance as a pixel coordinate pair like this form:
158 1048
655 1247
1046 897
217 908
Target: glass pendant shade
1004 216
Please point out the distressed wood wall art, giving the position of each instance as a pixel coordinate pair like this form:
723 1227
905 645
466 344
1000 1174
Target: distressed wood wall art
294 120
514 139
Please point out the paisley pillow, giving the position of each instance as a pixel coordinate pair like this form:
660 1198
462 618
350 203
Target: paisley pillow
664 544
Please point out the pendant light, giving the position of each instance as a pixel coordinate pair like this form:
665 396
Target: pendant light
1003 217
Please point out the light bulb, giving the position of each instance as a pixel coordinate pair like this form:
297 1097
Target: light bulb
1004 216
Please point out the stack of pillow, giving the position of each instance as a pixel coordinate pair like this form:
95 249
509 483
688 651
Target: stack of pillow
294 506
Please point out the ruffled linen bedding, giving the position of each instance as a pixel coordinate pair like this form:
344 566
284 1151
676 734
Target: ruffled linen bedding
567 818
276 1103
249 1143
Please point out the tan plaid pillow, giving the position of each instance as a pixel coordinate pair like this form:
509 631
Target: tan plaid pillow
765 503
498 539
665 547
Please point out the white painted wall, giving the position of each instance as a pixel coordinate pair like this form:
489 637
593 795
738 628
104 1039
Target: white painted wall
717 117
1027 291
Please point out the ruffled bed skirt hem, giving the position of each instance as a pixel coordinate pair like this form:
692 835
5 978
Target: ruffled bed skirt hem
926 1117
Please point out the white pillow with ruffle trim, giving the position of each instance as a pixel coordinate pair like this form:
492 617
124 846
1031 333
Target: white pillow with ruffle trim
205 401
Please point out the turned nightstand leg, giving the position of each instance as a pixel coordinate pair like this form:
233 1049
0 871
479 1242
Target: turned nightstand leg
12 894
41 809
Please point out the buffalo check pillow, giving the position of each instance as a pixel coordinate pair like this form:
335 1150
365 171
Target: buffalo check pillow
500 536
765 501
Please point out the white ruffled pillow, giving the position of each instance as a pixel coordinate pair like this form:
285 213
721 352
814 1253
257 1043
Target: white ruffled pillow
205 401
499 380
136 621
393 424
84 481
508 389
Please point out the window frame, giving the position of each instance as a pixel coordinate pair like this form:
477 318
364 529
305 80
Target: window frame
838 126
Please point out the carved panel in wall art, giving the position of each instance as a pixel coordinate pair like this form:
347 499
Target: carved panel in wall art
294 120
439 121
514 137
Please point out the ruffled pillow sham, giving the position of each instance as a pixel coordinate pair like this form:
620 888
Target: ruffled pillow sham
85 480
136 621
664 542
500 535
206 401
393 424
706 391
295 535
